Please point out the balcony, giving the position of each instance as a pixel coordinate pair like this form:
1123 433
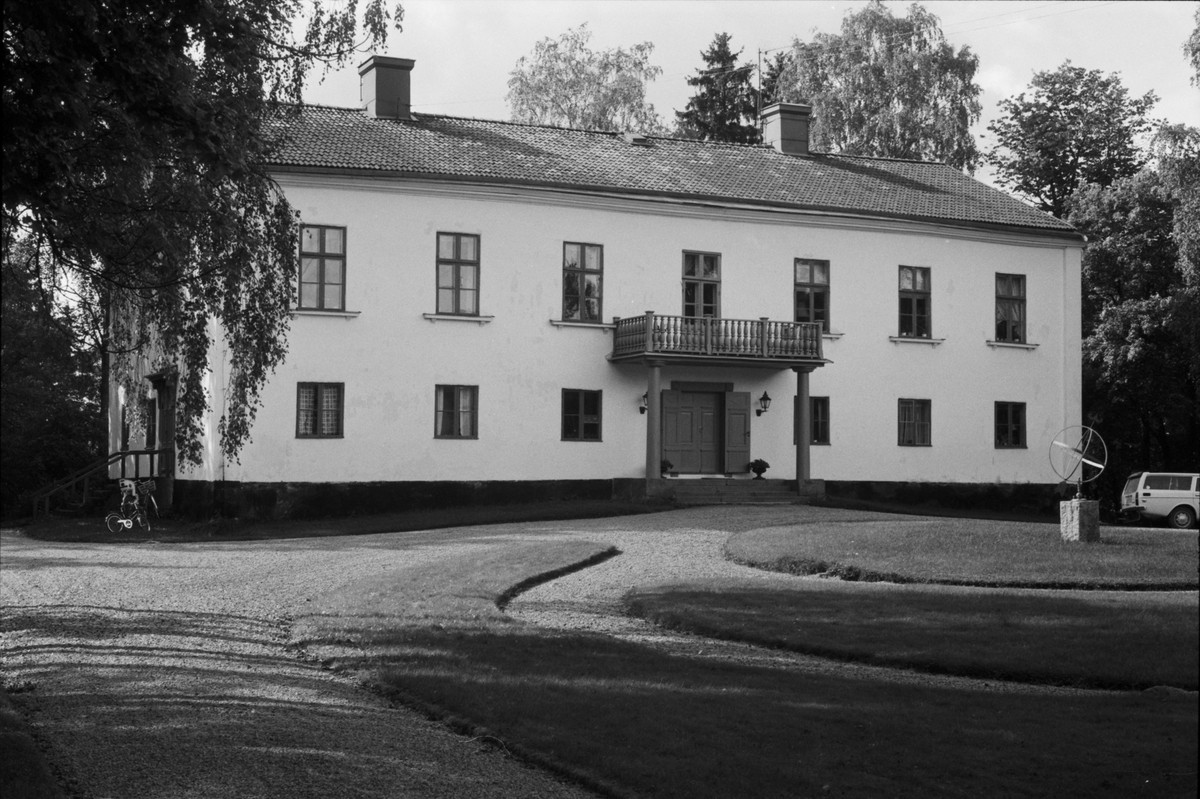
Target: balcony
715 341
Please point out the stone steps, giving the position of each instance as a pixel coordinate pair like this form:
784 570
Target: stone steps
731 491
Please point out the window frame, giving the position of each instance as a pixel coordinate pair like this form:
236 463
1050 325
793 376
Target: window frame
583 417
457 262
582 271
322 257
700 282
438 411
1009 425
1013 300
916 423
915 296
818 421
812 288
317 409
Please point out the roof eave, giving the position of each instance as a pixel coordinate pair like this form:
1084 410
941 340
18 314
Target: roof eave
1056 233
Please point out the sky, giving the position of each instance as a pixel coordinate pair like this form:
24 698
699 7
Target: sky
465 49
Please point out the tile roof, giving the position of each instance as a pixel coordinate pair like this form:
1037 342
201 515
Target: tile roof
483 151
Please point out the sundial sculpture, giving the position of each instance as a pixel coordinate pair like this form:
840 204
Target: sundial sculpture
1078 455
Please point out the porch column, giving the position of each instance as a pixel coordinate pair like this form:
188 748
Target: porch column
654 419
803 423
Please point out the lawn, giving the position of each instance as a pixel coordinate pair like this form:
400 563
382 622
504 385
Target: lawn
630 719
1098 639
973 552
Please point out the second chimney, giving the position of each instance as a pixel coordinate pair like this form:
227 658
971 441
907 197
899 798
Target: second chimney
384 87
785 127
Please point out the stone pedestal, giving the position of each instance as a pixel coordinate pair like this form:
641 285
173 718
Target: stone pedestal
1079 520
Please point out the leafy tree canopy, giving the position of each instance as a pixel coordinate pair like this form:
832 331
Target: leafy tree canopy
1074 127
566 83
1191 49
724 105
1141 307
135 164
888 86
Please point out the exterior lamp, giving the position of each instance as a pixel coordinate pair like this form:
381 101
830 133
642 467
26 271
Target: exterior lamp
765 402
645 402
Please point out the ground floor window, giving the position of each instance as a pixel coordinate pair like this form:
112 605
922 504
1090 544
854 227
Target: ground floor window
819 409
915 423
580 415
457 413
1010 425
319 410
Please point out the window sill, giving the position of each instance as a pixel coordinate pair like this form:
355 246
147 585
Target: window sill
1012 446
915 340
1010 345
571 323
445 317
320 312
834 336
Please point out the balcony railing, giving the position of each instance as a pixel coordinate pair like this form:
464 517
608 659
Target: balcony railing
756 339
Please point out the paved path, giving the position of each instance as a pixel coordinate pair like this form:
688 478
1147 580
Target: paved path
164 671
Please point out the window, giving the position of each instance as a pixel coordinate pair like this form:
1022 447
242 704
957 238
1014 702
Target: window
812 292
319 410
1010 308
1168 482
915 321
458 274
915 424
151 423
819 410
323 267
583 268
457 413
1010 425
580 415
701 284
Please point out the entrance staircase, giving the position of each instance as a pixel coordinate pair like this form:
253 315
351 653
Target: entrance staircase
735 491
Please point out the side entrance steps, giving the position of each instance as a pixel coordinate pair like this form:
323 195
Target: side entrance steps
733 491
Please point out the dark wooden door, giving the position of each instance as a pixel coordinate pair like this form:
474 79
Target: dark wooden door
692 431
737 431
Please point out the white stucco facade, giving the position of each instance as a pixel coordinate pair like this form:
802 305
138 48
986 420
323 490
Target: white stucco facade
389 354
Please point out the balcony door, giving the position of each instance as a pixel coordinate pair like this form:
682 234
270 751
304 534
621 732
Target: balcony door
706 432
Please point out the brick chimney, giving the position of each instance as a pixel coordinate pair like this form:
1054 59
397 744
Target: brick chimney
785 127
384 87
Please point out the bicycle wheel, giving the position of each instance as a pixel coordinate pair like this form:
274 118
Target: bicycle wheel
114 522
143 520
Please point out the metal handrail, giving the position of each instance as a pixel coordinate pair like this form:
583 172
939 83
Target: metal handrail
41 499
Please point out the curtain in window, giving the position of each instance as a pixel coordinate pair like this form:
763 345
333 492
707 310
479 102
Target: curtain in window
307 411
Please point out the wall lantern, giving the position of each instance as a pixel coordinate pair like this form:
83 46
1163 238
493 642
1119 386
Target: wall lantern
765 403
645 402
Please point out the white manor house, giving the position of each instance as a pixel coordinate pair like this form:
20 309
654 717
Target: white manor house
490 311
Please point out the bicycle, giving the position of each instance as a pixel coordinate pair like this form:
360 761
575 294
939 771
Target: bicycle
135 499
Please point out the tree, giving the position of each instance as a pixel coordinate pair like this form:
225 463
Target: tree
50 422
1141 317
566 83
888 86
724 106
1075 127
779 64
1191 48
137 139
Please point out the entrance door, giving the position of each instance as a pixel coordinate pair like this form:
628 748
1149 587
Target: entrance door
692 431
737 431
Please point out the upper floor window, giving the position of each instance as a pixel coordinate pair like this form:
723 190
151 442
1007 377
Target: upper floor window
812 292
1010 425
457 414
319 410
915 423
583 270
701 284
323 267
1010 308
580 415
915 313
458 274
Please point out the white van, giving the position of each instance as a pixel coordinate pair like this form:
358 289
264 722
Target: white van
1162 495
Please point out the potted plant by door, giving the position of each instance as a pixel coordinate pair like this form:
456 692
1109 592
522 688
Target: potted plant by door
758 466
666 466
